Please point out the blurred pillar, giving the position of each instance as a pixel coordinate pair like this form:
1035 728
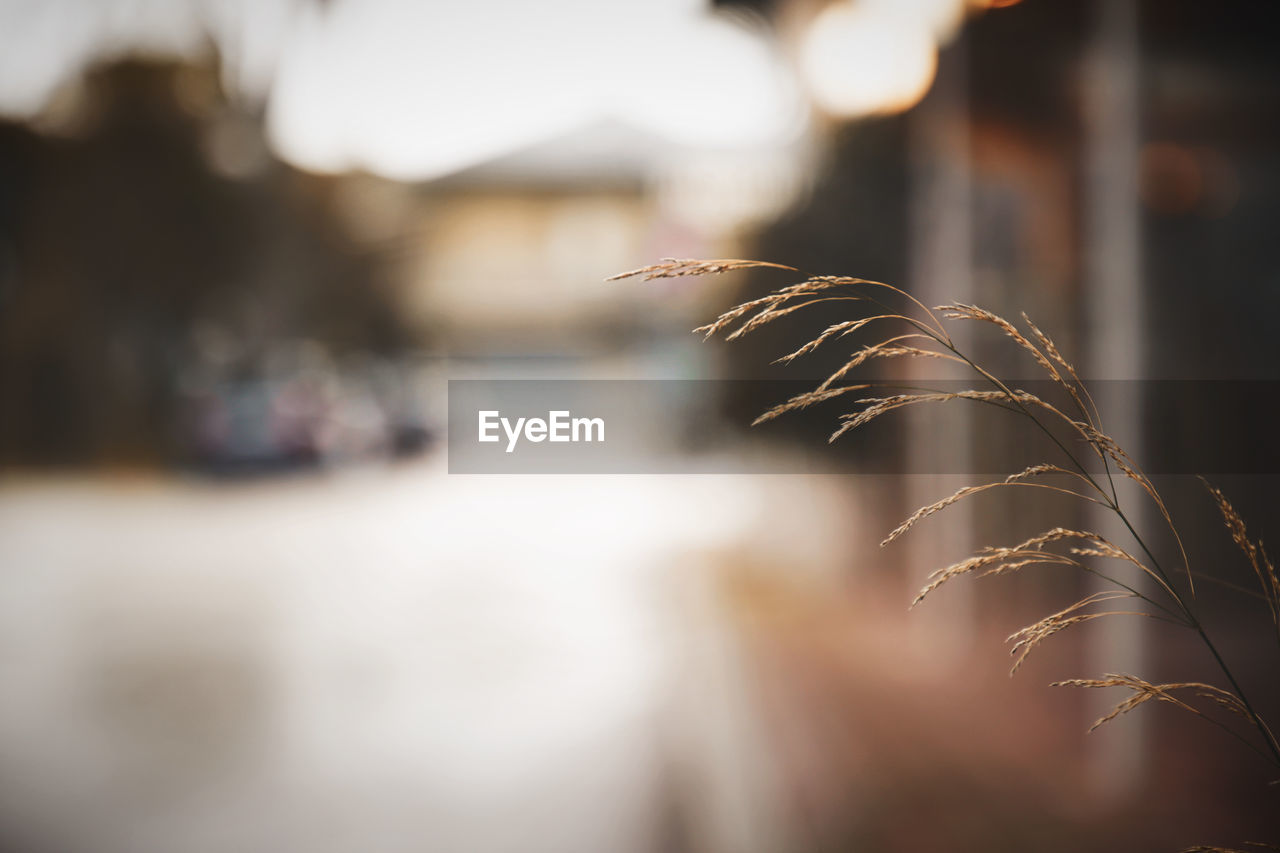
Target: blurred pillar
940 260
1115 342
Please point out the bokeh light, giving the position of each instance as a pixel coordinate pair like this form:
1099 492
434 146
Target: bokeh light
864 60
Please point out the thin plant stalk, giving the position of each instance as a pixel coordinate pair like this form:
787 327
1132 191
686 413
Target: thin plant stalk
930 329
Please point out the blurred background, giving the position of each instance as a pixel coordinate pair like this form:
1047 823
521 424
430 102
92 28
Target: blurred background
244 245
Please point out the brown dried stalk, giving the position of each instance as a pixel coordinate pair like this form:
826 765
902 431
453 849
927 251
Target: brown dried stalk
929 340
1002 560
1026 639
1144 691
1017 479
1263 569
677 267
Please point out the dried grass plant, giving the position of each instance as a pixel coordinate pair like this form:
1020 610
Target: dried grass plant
915 331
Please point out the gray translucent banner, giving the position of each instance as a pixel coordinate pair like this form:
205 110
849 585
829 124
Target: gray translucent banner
703 427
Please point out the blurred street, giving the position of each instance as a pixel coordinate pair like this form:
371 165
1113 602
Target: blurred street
378 663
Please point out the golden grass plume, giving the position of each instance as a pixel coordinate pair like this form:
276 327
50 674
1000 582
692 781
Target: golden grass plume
915 331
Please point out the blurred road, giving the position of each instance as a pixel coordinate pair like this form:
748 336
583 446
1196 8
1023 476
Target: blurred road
375 661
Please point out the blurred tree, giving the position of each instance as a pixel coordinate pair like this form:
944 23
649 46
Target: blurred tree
149 215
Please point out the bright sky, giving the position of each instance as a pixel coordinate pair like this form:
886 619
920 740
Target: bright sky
417 89
420 89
